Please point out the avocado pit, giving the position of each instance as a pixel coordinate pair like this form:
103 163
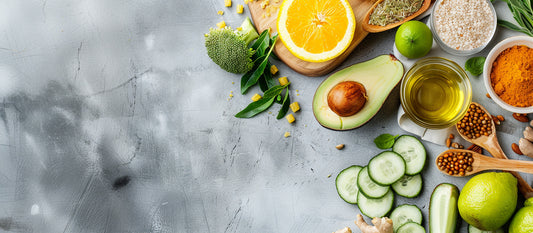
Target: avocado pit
347 98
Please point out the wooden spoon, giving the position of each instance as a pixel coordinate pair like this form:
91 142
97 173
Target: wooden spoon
376 28
490 143
483 163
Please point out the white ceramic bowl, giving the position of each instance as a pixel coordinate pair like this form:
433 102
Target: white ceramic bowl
458 52
487 68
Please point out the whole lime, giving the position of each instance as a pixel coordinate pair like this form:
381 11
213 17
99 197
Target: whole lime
523 219
413 39
488 200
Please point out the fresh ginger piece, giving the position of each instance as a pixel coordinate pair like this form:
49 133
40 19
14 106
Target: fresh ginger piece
526 147
528 133
381 225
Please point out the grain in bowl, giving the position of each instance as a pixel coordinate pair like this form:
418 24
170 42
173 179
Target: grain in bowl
463 27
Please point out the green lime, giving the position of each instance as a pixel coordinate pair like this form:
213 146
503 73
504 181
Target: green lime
413 39
523 219
488 200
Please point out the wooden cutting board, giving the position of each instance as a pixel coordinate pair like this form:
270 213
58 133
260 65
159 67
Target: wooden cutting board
265 18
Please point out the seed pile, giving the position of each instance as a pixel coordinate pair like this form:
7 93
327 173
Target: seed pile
455 163
475 123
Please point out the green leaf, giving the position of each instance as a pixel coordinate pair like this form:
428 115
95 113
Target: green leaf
255 108
246 77
285 105
474 65
385 141
262 43
274 91
257 73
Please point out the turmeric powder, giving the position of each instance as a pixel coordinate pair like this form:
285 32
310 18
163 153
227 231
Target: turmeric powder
512 76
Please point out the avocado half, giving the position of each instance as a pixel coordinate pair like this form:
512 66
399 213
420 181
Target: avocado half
378 76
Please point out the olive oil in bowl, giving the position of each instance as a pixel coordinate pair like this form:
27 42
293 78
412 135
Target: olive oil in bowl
435 93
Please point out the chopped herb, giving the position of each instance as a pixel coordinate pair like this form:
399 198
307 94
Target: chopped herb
392 11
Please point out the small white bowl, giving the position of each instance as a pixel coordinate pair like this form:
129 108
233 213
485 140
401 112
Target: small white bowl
487 69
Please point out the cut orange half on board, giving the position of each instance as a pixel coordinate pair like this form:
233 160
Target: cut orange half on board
316 30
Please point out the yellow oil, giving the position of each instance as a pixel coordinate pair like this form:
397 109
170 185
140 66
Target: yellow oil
434 94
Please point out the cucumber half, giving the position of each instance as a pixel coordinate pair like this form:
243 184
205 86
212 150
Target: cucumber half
408 186
346 183
404 214
443 211
368 187
412 151
375 207
386 168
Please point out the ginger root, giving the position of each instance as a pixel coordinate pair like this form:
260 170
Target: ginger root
381 225
526 147
528 133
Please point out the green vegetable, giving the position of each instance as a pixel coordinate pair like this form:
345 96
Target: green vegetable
474 65
522 13
385 141
229 49
264 103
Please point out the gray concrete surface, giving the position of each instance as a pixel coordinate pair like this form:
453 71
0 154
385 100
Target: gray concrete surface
113 119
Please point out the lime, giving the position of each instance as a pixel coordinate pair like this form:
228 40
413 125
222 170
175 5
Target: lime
523 219
488 200
413 39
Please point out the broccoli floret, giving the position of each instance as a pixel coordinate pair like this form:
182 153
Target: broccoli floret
229 49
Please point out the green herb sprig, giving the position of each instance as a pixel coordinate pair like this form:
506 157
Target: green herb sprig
522 13
385 141
260 74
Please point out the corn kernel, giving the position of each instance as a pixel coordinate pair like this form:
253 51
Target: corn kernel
273 69
256 97
290 118
240 9
221 24
220 12
227 3
295 107
238 28
283 80
287 134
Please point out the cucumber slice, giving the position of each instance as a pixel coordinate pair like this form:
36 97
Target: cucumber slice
346 183
412 151
473 229
386 168
368 187
375 207
404 214
408 186
411 227
443 211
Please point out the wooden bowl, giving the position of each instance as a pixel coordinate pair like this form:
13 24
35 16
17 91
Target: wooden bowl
376 28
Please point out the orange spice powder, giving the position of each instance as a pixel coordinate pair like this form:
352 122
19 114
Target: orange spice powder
512 76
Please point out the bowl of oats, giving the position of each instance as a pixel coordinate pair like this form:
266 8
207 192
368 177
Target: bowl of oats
463 27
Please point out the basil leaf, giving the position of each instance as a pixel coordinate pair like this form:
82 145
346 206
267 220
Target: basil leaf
474 65
255 108
385 141
285 106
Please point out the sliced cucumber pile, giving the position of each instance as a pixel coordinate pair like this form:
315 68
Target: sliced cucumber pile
443 211
375 207
411 227
404 214
408 186
412 151
368 187
346 183
386 168
473 229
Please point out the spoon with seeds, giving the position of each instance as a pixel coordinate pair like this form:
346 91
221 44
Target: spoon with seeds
477 127
460 162
377 28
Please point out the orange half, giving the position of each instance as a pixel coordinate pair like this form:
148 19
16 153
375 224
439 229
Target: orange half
316 30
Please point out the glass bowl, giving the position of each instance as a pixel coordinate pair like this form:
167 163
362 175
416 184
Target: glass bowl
435 93
455 51
487 69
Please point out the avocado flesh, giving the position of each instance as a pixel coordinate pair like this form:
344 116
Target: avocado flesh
379 76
